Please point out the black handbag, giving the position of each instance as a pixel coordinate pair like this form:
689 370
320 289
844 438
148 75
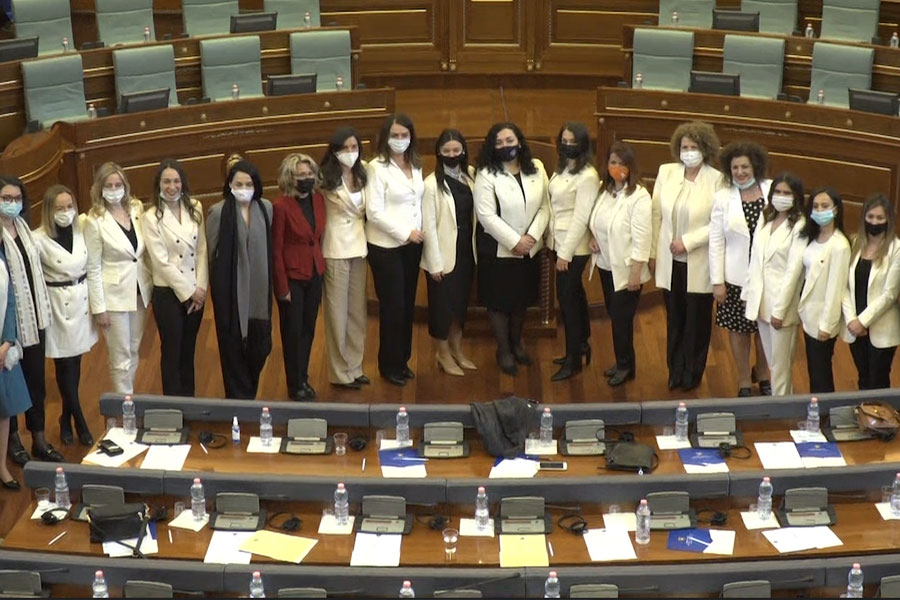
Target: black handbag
117 522
630 456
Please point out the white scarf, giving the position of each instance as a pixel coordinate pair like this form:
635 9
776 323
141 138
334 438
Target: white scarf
29 322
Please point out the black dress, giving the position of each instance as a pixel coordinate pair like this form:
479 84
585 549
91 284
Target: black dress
448 299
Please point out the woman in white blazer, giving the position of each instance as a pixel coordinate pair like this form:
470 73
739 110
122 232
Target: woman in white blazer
682 202
71 332
176 245
343 186
119 281
735 213
394 235
870 308
448 253
512 204
777 236
820 267
573 191
622 234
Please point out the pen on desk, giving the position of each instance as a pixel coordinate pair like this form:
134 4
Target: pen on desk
550 547
53 541
205 451
364 463
170 536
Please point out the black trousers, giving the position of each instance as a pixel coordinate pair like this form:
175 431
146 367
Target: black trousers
873 364
243 360
177 341
298 327
688 328
68 378
573 306
819 364
33 369
621 306
396 274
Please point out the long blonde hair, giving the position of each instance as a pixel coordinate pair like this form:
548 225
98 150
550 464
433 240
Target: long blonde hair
289 168
861 239
48 207
98 204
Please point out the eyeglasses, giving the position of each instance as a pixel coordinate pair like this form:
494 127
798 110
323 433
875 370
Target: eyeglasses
11 198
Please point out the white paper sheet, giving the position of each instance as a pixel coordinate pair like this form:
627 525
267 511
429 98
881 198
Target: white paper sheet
115 549
329 526
799 436
626 521
467 528
376 550
125 441
778 455
534 447
795 539
394 444
752 521
668 442
167 458
815 462
186 521
722 542
609 544
224 548
514 468
721 467
255 446
410 472
884 509
51 505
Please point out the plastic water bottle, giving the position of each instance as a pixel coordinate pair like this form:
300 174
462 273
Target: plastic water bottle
681 422
198 500
101 590
407 590
65 44
639 81
642 532
551 586
235 431
235 92
812 416
809 31
482 511
895 496
92 111
546 426
256 586
895 40
341 505
339 83
146 35
61 486
402 426
307 20
820 97
764 500
265 427
855 582
129 421
675 18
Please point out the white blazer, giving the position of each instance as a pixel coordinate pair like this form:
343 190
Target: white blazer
629 231
515 218
823 286
116 272
669 181
572 197
177 250
729 236
882 314
439 221
767 272
345 225
393 203
72 331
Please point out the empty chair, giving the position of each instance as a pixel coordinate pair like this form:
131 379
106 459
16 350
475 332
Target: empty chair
775 16
850 20
124 21
20 584
663 58
890 587
291 12
144 70
208 17
54 89
837 68
747 589
227 61
325 53
48 20
147 589
758 60
691 13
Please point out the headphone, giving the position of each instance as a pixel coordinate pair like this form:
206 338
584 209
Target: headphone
50 518
573 523
212 440
357 443
727 450
292 523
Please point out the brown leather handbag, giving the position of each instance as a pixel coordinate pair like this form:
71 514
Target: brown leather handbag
878 418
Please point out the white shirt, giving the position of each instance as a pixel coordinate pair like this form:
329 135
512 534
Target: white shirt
601 233
811 255
355 197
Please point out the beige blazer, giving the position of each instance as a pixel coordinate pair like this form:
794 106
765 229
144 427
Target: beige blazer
177 250
572 197
729 236
767 272
882 314
439 222
668 184
629 233
345 225
117 277
515 218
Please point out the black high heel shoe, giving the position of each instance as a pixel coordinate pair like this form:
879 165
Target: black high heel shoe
620 377
12 485
566 371
585 352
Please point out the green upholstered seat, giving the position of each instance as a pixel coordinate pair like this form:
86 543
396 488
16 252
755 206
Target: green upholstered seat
663 58
123 21
228 61
758 60
326 53
836 68
775 16
850 20
48 20
291 12
54 89
691 13
208 17
143 69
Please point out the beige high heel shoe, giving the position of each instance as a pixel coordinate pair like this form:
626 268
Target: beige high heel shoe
456 351
446 362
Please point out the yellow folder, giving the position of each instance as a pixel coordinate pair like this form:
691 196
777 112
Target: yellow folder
289 548
523 551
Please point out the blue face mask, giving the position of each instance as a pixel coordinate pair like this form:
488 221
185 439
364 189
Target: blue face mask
10 210
823 217
746 185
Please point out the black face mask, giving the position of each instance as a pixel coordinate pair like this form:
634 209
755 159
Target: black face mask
506 153
304 186
569 150
873 229
451 162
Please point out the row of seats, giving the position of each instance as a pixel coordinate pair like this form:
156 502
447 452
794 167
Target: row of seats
54 87
126 21
664 59
846 20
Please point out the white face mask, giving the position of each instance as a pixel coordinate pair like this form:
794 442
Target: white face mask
691 158
114 196
242 195
348 159
399 146
164 198
64 218
781 202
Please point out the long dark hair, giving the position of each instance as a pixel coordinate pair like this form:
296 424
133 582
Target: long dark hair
185 200
331 169
450 135
582 140
247 167
626 154
488 159
13 180
796 185
811 228
383 150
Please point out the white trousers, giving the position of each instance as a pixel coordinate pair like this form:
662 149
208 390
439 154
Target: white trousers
123 341
345 317
779 346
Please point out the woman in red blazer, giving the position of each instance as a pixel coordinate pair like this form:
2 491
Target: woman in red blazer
298 223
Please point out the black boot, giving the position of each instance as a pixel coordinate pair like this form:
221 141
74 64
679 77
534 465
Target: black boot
516 324
65 424
85 438
500 326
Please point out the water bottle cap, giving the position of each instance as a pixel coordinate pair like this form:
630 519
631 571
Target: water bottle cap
546 409
98 574
681 405
481 487
265 409
407 584
402 409
128 396
552 573
340 486
256 574
196 480
59 470
643 502
766 479
814 400
898 474
855 565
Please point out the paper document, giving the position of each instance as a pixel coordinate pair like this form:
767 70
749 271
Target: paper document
402 463
514 468
186 521
523 551
884 509
705 541
39 511
752 521
626 521
394 444
280 546
130 449
148 544
668 442
255 446
329 526
795 539
167 458
536 448
467 528
778 455
376 550
799 436
225 548
609 544
702 460
820 454
410 472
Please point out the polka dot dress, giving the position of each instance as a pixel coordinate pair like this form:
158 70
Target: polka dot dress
730 314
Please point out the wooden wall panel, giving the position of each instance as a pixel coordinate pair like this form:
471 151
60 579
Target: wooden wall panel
494 36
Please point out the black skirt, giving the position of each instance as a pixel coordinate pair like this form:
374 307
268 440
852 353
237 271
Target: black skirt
448 299
508 284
